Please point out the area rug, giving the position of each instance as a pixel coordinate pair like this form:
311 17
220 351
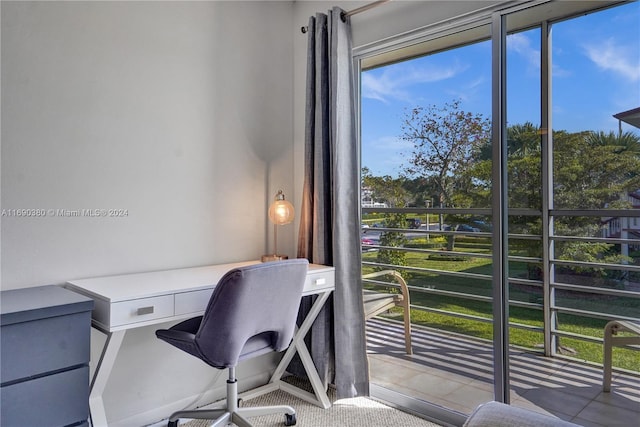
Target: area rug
355 412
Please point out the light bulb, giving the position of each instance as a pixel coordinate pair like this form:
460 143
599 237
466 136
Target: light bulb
281 211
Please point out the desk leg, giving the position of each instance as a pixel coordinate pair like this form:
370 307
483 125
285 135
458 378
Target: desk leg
298 345
100 377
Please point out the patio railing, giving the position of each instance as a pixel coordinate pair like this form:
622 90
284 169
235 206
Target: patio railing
567 291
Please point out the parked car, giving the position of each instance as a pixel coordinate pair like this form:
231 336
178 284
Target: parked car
366 245
481 225
467 228
413 222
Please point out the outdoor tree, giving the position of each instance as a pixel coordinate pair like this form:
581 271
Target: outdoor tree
524 168
386 189
622 143
445 140
592 170
391 191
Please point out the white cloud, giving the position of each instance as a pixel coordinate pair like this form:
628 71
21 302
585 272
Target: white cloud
467 91
388 144
395 81
520 44
476 83
612 56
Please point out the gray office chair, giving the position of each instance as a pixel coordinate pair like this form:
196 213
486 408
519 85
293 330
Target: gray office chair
252 311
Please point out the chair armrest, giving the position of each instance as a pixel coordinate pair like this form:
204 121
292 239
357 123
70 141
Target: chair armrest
611 339
404 288
404 302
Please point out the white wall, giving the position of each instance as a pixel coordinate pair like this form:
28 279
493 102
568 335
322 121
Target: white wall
178 112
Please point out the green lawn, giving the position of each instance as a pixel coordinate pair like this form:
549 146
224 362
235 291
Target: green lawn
579 349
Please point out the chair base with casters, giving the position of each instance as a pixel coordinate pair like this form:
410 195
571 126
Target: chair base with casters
231 413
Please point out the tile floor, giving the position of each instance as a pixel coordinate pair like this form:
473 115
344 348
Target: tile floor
456 373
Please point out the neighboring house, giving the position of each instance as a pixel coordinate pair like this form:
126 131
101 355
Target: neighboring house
631 117
617 227
367 200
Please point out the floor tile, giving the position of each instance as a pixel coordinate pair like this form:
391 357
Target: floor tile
457 373
611 416
557 401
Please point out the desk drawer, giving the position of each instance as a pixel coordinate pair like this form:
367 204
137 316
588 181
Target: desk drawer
319 280
192 302
141 310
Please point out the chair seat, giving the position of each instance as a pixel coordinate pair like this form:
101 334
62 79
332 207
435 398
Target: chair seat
182 336
378 302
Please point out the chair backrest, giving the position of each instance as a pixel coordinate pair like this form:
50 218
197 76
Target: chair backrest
249 301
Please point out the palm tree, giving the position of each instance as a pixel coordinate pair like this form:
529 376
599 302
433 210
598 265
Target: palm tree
626 142
523 140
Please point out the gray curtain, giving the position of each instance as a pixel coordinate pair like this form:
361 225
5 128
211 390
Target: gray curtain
330 214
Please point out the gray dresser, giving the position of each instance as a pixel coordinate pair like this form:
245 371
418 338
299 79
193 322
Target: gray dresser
44 357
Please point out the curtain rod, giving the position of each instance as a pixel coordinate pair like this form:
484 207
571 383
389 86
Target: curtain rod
360 9
364 8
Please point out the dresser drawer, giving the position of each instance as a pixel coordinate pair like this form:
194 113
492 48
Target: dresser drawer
192 302
141 310
60 399
33 348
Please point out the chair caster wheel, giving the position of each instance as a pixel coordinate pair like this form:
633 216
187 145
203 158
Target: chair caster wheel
289 419
173 424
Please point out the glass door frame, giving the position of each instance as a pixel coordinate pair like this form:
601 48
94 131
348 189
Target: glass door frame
499 27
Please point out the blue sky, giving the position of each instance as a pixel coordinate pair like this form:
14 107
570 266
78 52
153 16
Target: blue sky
596 73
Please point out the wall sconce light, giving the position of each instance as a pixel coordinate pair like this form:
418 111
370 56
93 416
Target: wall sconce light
280 213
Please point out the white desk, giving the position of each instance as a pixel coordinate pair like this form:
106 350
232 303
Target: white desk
136 300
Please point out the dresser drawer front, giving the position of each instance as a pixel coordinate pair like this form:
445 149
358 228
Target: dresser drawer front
39 346
141 310
55 400
192 302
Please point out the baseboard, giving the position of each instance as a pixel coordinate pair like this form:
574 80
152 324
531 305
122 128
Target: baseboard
158 416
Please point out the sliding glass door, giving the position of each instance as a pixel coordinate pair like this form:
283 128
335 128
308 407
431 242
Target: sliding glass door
426 179
573 169
512 257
